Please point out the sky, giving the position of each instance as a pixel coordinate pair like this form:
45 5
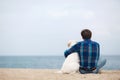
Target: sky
43 27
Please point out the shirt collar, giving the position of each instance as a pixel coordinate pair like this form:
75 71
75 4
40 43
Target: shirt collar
87 40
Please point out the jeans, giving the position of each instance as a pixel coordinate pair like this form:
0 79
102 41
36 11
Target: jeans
101 63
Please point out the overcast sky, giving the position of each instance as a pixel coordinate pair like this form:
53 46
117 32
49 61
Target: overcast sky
43 27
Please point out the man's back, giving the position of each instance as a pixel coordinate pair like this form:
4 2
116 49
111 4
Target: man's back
88 53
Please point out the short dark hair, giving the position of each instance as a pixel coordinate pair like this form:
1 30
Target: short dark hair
86 34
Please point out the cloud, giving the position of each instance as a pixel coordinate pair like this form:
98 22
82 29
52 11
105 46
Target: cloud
75 13
85 14
57 13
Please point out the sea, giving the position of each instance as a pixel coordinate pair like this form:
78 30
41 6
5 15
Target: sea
49 62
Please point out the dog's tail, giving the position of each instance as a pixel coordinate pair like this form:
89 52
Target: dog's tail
60 72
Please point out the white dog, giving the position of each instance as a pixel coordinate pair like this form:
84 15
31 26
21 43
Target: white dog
71 63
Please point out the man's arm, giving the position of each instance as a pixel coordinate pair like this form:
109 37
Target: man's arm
75 48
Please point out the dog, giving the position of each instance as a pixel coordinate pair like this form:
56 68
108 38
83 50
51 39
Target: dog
71 63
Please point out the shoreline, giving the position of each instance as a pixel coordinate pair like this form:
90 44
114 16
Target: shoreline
50 74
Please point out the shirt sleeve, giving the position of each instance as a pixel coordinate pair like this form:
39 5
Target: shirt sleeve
75 48
98 51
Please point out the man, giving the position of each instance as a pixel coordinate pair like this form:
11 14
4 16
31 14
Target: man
89 53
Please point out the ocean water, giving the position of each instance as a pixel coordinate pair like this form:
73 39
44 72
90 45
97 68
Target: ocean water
48 62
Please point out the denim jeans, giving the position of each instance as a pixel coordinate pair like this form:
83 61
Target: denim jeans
101 63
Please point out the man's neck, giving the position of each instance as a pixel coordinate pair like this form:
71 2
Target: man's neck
87 39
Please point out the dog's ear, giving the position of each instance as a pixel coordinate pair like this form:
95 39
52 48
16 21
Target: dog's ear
69 44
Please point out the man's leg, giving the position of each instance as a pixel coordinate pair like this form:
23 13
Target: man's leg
101 63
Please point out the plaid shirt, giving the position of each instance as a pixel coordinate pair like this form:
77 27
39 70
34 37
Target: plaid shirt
88 53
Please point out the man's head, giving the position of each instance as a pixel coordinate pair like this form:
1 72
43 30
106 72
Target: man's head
86 34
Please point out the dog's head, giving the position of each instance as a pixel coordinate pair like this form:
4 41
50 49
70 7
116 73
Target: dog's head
71 43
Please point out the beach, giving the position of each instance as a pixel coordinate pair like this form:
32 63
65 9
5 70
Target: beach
50 74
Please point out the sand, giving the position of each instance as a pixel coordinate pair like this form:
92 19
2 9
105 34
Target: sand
50 74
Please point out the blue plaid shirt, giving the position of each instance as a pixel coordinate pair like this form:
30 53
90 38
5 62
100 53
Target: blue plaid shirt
88 53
